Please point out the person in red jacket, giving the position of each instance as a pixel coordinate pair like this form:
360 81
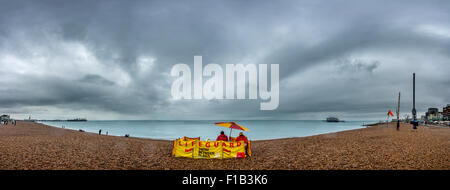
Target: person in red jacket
242 137
222 137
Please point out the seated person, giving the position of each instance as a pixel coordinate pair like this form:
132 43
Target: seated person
242 137
222 137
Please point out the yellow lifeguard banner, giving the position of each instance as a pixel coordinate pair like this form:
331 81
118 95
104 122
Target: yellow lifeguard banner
193 148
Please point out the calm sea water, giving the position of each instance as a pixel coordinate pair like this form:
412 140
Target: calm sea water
169 130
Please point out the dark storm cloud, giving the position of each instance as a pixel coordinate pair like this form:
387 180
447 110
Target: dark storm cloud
112 58
96 79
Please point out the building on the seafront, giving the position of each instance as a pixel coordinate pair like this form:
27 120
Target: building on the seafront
446 112
5 117
423 118
432 114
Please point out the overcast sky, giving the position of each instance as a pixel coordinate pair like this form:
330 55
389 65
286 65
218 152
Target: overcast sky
112 59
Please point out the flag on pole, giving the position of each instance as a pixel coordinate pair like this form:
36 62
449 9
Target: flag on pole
390 113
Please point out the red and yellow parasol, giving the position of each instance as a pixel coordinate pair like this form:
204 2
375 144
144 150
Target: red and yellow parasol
232 125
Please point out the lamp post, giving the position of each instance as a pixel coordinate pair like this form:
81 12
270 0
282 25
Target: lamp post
414 112
398 112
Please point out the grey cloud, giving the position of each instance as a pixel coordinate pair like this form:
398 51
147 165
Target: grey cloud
357 65
96 79
345 57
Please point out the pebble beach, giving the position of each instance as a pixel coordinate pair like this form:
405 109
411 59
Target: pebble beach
37 146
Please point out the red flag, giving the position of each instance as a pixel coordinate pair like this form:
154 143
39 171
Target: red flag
390 113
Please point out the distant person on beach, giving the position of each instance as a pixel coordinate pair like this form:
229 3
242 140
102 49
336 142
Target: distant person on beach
100 132
242 137
222 137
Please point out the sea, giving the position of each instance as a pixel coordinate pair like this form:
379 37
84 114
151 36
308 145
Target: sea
205 129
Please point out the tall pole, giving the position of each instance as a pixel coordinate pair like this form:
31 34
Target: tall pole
387 120
414 113
398 111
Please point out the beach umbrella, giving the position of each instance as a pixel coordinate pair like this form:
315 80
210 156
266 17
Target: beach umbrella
232 125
